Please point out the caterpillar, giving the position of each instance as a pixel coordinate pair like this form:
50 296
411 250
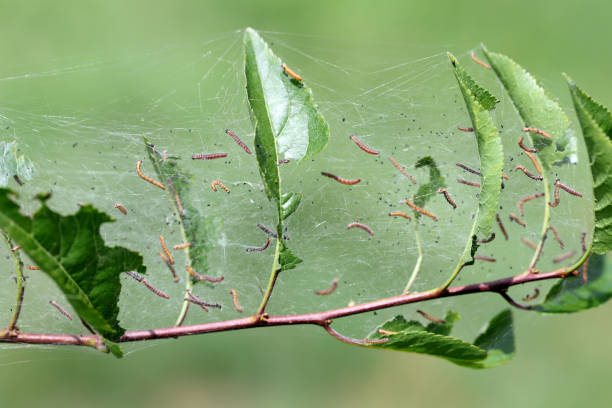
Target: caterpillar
399 214
538 131
208 156
568 189
60 309
557 198
487 240
169 265
484 258
204 305
291 73
330 290
465 129
525 148
469 169
283 161
479 62
182 246
528 173
33 268
147 178
267 231
121 208
176 197
534 161
235 300
215 183
529 243
527 198
536 293
431 318
501 226
386 332
362 146
517 220
558 237
340 180
259 249
15 248
165 248
362 226
564 256
402 170
448 197
468 183
164 156
421 210
139 278
203 277
238 141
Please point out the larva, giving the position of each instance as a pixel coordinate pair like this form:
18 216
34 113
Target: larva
291 73
529 243
165 248
340 180
536 293
329 290
558 237
568 189
33 268
480 62
259 249
527 198
139 278
535 162
484 258
448 197
402 169
216 183
564 256
431 318
528 173
15 248
164 156
536 130
501 226
121 208
525 148
267 231
362 226
487 240
386 332
238 141
557 199
421 210
468 183
362 146
147 178
169 265
208 156
204 305
465 129
60 309
399 214
182 246
235 300
283 161
517 220
203 277
469 169
177 199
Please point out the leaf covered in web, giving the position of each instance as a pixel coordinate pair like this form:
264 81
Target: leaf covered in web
13 164
71 251
429 189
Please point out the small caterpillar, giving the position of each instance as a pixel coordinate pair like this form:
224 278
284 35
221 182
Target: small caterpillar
527 198
557 199
147 178
538 131
362 146
291 73
330 290
487 240
139 278
215 183
536 293
535 162
564 256
267 231
60 309
235 300
387 332
261 248
448 197
479 62
362 226
176 197
468 183
517 220
421 210
204 305
484 258
164 156
525 148
341 180
568 189
15 248
469 169
121 208
165 248
501 226
465 129
169 265
558 237
402 170
208 156
528 173
203 277
529 243
238 141
283 161
33 268
182 246
399 214
431 318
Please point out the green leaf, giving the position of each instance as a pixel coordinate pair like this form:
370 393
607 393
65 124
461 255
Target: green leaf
289 203
482 96
71 251
12 164
571 295
537 109
498 340
596 123
436 181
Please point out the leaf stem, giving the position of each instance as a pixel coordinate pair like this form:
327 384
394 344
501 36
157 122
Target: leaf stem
272 281
417 266
12 326
545 222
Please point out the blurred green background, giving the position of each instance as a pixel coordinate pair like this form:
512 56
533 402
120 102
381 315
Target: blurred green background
562 361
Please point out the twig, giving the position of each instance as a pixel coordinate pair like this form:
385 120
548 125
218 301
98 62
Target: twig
349 340
511 301
19 278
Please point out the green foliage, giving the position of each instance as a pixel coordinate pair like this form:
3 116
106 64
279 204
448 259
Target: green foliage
71 251
429 189
13 164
